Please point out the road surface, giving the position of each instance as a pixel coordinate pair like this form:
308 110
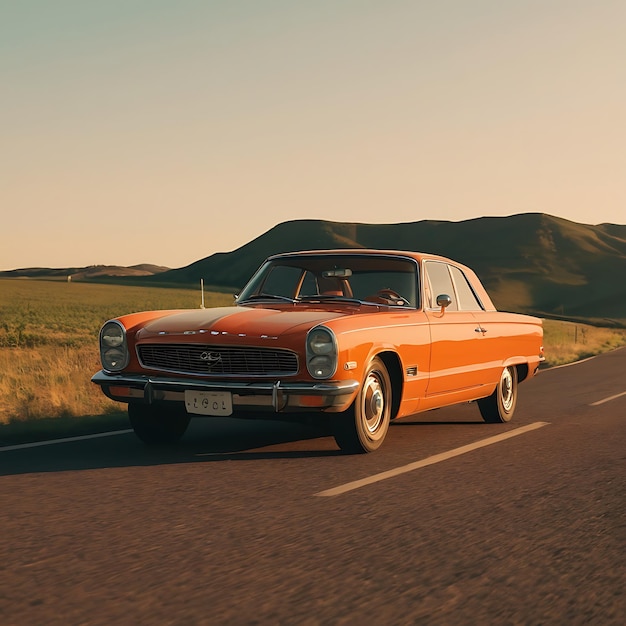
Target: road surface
267 523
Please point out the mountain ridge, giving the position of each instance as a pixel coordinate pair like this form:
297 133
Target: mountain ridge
529 262
88 272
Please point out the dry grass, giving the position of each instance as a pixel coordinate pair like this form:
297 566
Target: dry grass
50 382
566 342
49 342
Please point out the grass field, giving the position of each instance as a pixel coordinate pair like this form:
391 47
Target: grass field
49 335
566 342
49 342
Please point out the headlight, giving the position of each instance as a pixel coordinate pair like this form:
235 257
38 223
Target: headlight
321 352
113 347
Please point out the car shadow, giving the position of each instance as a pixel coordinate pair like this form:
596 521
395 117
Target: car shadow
409 422
205 441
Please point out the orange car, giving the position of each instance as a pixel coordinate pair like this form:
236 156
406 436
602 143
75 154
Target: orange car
365 336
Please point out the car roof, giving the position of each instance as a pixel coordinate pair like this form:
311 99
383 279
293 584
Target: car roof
418 256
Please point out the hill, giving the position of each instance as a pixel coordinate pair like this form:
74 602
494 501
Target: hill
532 262
86 273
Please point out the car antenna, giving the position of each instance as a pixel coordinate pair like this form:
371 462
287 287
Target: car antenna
202 293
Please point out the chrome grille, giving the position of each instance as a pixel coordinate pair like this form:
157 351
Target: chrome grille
218 360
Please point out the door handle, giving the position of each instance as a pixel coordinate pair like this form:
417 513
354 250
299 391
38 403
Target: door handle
480 329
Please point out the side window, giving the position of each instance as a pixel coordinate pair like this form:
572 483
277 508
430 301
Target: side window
467 298
440 283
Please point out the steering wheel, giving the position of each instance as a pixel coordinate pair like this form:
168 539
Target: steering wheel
394 296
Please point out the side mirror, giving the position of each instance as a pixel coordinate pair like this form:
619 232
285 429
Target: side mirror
444 301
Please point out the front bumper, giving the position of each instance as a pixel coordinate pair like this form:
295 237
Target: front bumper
279 396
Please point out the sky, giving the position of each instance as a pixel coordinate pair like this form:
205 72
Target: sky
154 131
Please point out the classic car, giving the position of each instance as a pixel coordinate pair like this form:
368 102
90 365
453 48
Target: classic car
358 337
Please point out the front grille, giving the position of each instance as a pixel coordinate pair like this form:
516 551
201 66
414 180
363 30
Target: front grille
218 360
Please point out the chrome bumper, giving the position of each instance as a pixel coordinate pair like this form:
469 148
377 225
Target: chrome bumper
278 395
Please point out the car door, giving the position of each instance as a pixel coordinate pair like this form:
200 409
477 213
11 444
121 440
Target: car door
455 361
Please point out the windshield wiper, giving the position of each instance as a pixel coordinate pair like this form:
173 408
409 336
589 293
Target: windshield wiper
327 297
267 296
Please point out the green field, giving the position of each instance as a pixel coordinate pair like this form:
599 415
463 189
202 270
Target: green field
49 342
34 313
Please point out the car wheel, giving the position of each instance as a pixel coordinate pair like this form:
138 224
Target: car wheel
155 424
500 405
363 427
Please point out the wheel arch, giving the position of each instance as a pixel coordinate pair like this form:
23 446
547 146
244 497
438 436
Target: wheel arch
394 369
522 371
520 364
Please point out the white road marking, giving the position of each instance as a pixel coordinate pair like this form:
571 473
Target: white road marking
431 460
51 442
619 395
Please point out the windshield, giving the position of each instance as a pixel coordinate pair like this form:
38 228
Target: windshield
374 279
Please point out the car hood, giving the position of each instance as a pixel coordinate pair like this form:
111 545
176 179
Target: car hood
236 320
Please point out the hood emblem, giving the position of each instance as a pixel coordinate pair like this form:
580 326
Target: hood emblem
211 358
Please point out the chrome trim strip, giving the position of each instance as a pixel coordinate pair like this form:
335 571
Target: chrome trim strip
140 381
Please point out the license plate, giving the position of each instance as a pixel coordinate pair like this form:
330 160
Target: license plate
209 402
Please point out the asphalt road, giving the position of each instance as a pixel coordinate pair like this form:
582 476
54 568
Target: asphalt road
229 527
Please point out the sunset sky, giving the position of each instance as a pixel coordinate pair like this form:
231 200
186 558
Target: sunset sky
163 131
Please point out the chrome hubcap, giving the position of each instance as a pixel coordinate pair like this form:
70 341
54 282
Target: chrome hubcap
373 403
506 386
